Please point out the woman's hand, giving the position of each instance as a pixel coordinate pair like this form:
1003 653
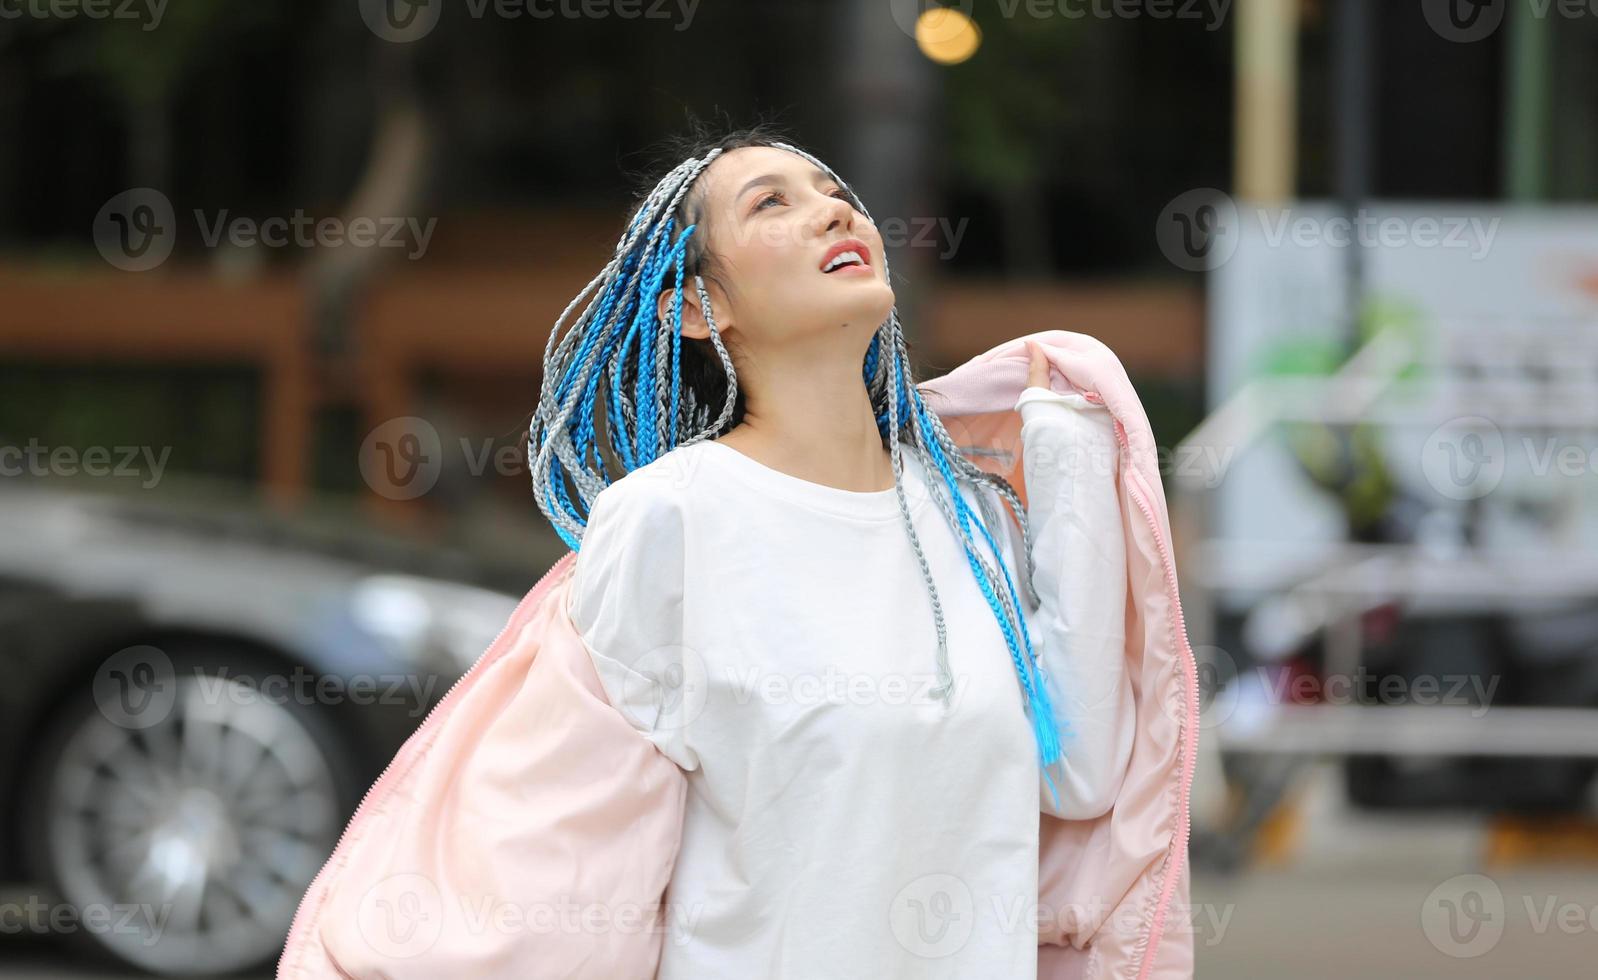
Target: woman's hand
1038 368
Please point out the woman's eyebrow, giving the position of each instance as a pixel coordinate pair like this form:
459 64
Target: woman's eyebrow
818 178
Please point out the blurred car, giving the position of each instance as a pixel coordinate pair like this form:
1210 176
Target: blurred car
193 704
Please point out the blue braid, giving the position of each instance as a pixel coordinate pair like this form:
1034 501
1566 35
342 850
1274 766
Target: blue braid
582 427
607 302
1045 726
640 322
644 381
872 354
644 326
904 400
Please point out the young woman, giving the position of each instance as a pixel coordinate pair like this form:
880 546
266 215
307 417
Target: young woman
730 436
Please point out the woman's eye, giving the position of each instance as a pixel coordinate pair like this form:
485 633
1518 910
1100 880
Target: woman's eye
840 193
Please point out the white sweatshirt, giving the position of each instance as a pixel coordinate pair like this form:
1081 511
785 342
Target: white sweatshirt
775 639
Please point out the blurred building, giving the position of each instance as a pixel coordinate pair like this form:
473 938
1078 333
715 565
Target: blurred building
1031 176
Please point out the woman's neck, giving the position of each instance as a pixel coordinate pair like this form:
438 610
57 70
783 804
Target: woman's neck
813 420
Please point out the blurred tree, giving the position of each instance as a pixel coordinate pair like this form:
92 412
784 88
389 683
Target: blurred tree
1007 107
142 66
1348 461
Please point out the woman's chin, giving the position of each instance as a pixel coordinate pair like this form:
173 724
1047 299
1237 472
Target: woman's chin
865 322
862 302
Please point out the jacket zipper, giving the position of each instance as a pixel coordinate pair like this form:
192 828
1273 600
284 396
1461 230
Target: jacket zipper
1178 851
303 915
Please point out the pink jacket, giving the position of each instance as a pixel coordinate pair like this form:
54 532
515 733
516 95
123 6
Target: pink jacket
526 829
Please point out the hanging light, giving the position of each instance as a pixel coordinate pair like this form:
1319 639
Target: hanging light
946 35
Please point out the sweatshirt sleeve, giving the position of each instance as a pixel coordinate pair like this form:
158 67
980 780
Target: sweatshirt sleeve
626 604
1070 463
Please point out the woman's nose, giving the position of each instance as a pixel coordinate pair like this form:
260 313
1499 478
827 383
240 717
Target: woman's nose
835 213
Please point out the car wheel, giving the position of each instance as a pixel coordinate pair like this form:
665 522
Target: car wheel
193 806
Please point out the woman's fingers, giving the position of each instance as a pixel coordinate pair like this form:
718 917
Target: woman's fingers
1038 369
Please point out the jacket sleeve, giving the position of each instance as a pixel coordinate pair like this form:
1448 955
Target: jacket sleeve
1079 631
626 604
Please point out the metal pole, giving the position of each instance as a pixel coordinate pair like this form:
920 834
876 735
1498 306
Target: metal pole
1526 134
1353 31
1265 101
889 93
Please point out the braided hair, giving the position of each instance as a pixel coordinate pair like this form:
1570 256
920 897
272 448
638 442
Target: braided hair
658 393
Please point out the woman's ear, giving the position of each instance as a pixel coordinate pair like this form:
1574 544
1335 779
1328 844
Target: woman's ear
694 326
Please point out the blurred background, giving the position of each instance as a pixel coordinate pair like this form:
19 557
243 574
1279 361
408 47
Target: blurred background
276 281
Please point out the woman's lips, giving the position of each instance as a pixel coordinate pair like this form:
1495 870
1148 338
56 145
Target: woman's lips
844 247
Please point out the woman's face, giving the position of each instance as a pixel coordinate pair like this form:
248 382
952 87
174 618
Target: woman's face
773 218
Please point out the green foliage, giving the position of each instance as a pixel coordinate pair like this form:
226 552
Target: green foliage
142 67
1346 461
1008 104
